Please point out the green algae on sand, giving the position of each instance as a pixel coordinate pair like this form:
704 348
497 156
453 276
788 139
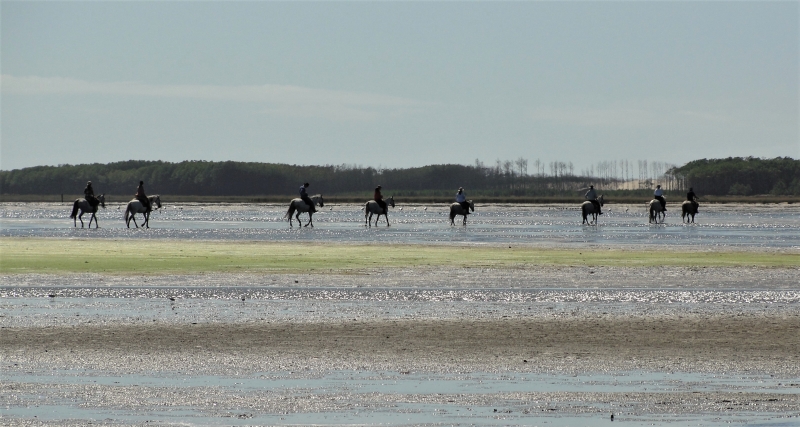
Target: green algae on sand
54 256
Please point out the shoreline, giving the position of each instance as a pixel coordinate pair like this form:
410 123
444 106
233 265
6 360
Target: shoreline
574 200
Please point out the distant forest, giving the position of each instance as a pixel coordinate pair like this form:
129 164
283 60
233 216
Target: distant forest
731 176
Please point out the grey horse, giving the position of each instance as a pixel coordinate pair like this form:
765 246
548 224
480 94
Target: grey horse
656 211
84 206
136 207
688 210
372 207
457 209
587 208
299 206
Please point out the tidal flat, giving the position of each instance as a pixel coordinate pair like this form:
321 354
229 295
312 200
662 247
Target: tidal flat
550 341
223 315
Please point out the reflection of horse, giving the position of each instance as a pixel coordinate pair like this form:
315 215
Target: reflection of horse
688 209
137 207
587 208
656 211
457 209
372 207
299 206
84 206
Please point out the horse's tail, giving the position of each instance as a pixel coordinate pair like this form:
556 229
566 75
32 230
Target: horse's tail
290 211
74 209
127 212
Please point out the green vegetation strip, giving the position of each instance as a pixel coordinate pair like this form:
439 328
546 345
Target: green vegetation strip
55 256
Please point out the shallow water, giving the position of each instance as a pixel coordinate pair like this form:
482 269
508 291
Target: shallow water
769 226
469 398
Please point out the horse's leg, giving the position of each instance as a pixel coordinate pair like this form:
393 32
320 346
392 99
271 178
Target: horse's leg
93 217
386 215
80 217
310 216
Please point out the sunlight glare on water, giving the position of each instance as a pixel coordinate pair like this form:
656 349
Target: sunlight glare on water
776 225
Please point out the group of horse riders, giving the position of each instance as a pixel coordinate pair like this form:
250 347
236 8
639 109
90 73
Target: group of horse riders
88 194
461 198
658 194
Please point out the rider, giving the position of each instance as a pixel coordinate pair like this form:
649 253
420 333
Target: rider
461 198
591 196
140 196
690 196
659 195
306 199
378 197
88 194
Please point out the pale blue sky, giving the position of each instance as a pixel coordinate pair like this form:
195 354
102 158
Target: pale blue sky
397 84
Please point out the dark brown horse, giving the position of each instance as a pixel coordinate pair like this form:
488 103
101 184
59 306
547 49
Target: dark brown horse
688 209
457 209
84 206
588 208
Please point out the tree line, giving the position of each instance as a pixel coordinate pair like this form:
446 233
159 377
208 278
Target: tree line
740 176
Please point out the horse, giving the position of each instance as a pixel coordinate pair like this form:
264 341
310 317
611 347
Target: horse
457 209
84 206
136 207
587 208
299 206
372 207
688 209
656 211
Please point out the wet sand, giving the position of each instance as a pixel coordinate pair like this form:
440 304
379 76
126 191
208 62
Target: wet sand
687 343
751 344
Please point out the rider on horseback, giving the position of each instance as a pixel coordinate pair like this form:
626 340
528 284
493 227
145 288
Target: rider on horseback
659 195
591 196
690 196
141 197
461 198
88 194
378 197
306 199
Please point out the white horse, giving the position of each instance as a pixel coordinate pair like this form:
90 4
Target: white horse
299 206
84 206
457 209
372 207
688 209
137 207
587 208
656 211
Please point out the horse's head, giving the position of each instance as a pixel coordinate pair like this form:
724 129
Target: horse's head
390 201
102 199
471 205
317 198
600 200
157 200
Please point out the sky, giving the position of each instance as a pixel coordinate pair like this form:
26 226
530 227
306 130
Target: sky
397 84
